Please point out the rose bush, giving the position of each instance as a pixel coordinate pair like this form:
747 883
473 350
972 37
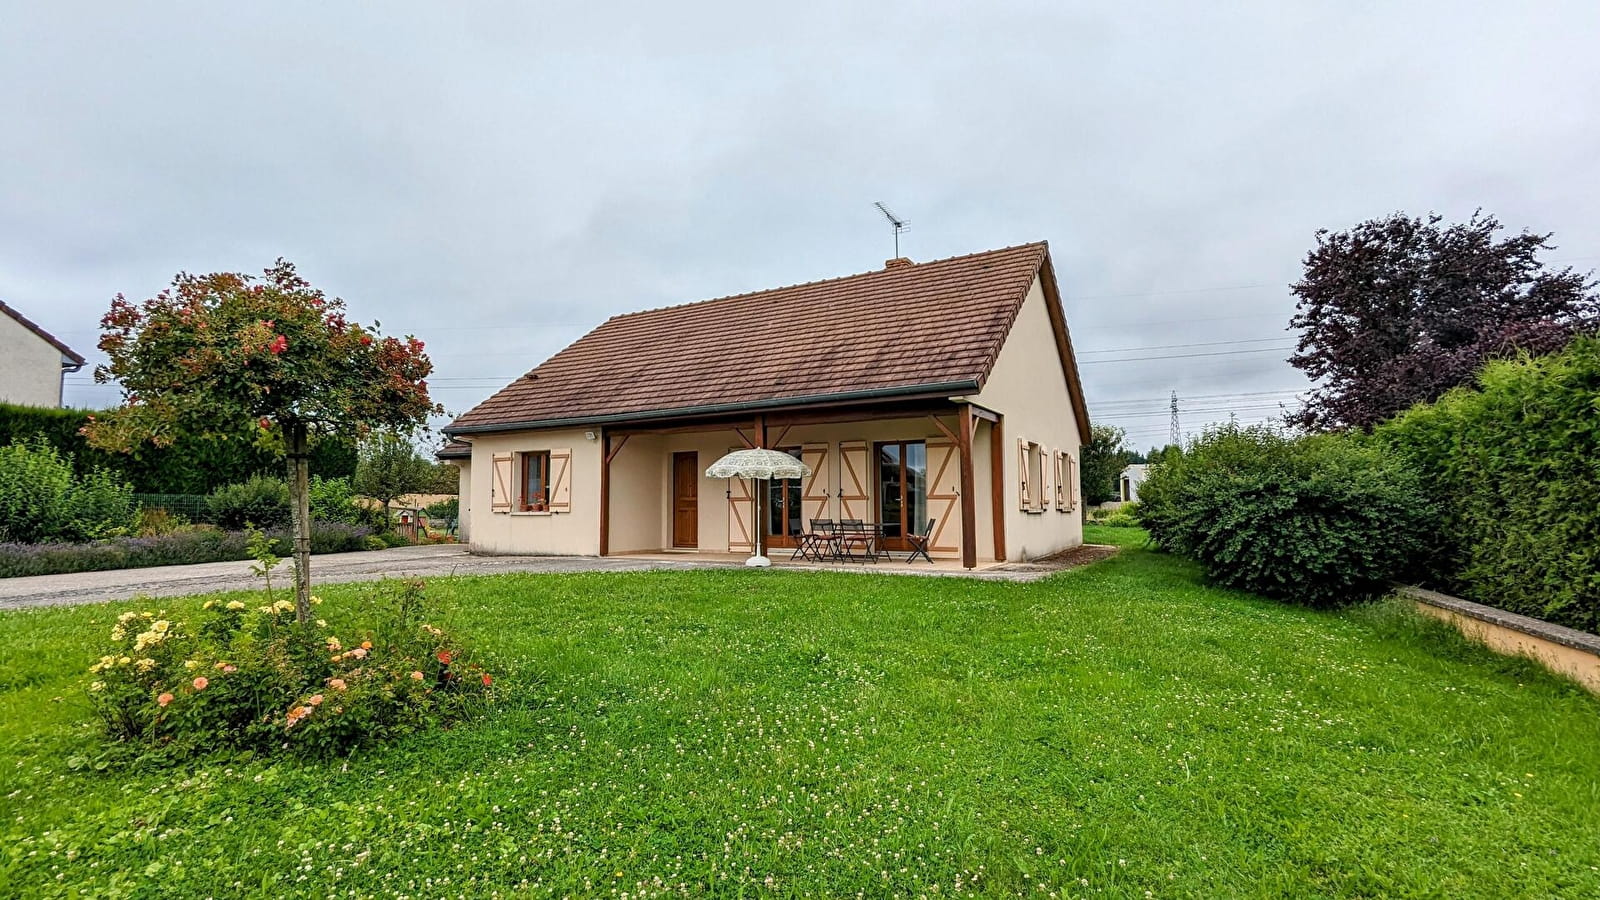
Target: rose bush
247 676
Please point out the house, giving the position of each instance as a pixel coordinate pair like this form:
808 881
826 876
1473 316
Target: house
1132 477
32 362
943 391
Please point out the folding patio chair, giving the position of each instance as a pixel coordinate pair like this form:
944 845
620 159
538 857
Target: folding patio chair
919 543
814 543
852 533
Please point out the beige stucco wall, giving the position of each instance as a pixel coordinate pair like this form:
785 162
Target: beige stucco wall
640 492
574 533
1027 387
464 495
30 368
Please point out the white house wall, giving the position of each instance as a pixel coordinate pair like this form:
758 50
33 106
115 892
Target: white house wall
1027 386
30 367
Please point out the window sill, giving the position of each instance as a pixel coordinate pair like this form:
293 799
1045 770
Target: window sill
533 512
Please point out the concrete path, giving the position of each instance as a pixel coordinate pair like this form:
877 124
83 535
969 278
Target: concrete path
431 561
437 561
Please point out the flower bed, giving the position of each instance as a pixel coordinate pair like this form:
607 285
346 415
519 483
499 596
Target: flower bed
196 545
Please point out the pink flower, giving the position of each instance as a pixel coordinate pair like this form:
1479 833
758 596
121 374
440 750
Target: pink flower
278 345
358 653
487 680
200 683
164 699
336 683
416 676
227 670
265 423
316 700
444 657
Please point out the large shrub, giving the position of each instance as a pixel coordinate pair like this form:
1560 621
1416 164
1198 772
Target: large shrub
42 500
1517 463
261 501
333 500
1321 520
246 676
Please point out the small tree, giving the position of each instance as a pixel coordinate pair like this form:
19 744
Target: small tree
1104 458
1396 311
216 351
388 467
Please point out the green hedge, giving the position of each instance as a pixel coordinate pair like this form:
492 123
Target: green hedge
1323 520
1517 463
191 466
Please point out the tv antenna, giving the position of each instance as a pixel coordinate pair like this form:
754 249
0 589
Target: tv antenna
898 223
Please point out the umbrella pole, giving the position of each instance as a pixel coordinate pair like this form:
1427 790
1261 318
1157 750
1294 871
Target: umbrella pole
760 525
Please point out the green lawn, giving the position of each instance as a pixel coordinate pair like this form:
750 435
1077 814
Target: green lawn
1120 730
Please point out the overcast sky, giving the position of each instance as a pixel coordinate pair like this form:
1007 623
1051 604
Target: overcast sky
499 178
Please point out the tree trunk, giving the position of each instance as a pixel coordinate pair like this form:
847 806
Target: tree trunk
300 516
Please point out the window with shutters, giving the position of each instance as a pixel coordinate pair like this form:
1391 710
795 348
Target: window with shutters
534 493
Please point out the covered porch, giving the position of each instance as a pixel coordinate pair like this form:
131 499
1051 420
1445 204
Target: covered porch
896 468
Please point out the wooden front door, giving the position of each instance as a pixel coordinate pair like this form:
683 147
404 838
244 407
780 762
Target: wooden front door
686 499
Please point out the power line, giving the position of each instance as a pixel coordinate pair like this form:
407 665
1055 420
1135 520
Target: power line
1090 362
1179 346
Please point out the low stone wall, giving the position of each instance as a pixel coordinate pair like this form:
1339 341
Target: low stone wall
1572 653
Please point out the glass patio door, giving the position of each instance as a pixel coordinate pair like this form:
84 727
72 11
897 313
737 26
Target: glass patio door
902 490
784 508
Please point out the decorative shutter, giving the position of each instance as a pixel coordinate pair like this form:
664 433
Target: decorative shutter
741 514
853 495
1072 482
944 492
814 489
1047 477
1022 475
1058 463
561 480
501 482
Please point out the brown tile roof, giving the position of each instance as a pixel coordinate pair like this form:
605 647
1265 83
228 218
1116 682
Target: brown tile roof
454 450
46 336
929 328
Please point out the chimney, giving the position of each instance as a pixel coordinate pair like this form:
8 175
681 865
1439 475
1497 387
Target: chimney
899 262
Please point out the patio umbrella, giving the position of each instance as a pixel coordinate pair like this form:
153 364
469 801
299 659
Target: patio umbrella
758 464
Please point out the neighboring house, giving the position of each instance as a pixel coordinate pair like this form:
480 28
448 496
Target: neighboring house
32 361
943 391
1132 477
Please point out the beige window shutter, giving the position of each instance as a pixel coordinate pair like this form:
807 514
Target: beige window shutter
501 483
1022 473
1047 476
561 480
944 496
741 514
814 488
853 475
1058 463
1072 483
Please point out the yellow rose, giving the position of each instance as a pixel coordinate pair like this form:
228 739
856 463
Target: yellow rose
208 604
97 686
161 626
124 661
316 601
235 605
118 633
145 665
191 663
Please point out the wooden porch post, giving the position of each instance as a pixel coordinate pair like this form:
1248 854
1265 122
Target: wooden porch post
969 500
997 487
605 492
